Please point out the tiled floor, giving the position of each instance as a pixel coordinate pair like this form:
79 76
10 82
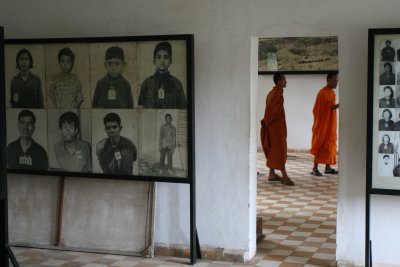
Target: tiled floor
299 224
299 221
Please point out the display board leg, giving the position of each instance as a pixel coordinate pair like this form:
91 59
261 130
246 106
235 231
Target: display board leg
370 253
198 249
12 257
195 251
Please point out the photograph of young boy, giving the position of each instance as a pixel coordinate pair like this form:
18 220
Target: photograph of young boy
162 90
113 90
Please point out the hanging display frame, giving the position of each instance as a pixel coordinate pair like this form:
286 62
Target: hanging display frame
164 151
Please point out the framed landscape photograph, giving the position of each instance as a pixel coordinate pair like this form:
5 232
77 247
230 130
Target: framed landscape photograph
298 55
383 135
109 107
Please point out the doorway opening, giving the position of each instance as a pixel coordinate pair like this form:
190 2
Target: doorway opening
298 222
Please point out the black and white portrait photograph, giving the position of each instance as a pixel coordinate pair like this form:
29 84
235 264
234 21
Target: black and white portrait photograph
69 140
68 76
386 120
386 143
385 165
163 147
387 74
396 120
396 142
27 139
162 75
398 73
397 96
396 162
398 50
113 75
24 76
387 95
388 52
115 141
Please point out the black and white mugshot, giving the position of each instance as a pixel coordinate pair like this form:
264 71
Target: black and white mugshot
116 154
25 153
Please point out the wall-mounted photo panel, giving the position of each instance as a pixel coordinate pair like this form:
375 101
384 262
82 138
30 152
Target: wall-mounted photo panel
383 165
112 107
298 55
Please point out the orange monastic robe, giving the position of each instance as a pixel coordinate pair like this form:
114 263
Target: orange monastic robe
273 130
323 143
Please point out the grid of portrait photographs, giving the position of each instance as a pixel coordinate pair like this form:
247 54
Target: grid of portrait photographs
117 107
387 117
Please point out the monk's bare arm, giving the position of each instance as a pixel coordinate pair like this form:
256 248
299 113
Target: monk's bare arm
333 107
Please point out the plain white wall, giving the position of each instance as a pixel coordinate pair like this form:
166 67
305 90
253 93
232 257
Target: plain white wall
225 122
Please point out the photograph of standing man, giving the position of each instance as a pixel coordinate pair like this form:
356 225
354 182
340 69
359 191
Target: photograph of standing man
116 154
71 153
324 136
274 132
25 153
167 144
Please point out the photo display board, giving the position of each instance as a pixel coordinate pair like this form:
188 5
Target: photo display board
383 158
110 107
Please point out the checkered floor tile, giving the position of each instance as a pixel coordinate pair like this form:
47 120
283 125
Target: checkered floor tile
299 224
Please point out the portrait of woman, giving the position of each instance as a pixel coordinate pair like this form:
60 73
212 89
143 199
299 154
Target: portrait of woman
386 146
387 101
386 123
387 77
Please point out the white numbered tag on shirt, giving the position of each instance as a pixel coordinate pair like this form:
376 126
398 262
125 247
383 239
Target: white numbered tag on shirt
112 94
161 93
118 155
15 97
25 160
78 154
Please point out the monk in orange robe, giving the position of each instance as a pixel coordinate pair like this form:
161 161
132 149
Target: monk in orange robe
273 132
323 143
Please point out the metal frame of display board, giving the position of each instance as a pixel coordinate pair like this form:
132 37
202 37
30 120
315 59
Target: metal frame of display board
6 253
383 136
188 131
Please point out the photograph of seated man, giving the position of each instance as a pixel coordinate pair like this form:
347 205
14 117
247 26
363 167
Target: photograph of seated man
116 154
